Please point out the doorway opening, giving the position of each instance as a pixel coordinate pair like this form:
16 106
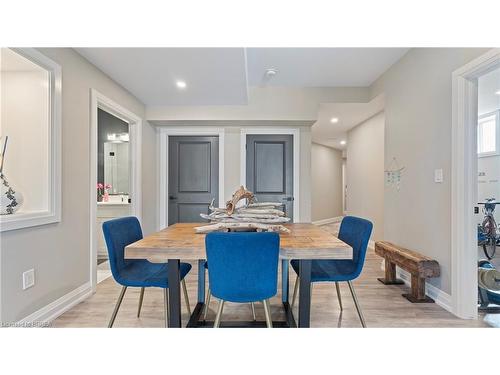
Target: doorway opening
115 189
488 191
465 211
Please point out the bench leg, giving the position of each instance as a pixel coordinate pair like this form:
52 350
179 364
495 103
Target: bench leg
417 294
390 274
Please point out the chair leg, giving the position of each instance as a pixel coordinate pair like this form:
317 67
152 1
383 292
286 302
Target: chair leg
338 295
253 311
117 307
186 297
207 304
165 307
357 304
141 297
295 289
219 314
267 310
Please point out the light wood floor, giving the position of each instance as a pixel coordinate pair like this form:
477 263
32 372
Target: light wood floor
383 306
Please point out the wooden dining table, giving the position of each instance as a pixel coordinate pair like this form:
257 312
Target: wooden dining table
305 242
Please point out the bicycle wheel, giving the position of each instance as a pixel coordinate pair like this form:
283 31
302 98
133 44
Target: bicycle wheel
489 249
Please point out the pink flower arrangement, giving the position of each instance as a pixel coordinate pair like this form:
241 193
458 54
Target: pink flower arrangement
102 191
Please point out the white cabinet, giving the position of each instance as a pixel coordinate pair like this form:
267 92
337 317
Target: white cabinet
107 211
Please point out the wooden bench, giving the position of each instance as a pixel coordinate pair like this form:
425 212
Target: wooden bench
419 266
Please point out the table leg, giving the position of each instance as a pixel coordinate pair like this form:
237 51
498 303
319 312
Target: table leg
305 293
284 280
174 293
201 281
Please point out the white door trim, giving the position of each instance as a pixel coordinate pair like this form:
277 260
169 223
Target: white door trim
162 153
295 133
98 100
464 183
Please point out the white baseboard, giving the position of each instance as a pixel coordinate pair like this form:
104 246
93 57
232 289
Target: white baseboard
441 298
54 309
330 220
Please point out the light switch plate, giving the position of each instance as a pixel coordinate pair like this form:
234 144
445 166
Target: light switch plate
28 279
438 175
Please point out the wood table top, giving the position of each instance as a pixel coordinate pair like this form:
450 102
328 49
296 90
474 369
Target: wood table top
179 241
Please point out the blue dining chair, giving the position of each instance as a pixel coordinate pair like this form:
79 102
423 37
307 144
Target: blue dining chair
355 232
141 273
243 268
208 298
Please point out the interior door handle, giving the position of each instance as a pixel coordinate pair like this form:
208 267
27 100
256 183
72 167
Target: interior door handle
288 199
171 197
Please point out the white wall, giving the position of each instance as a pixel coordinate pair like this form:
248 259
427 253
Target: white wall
60 253
326 182
418 133
365 172
150 207
488 85
25 119
265 103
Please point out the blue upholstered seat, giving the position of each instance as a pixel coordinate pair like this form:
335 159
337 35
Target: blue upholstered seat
121 232
142 273
329 270
243 265
355 232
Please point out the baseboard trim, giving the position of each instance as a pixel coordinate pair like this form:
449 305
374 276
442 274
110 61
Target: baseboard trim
54 309
441 298
330 220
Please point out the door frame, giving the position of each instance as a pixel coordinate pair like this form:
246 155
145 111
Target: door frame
295 133
100 101
162 154
463 187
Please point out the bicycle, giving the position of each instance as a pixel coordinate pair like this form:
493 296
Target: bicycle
488 233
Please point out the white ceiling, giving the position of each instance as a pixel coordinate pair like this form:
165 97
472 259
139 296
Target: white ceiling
348 114
488 84
214 76
218 76
320 67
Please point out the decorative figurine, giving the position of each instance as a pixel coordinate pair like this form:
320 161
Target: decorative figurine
10 199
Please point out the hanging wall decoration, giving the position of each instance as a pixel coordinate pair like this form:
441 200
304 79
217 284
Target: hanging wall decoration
10 199
394 174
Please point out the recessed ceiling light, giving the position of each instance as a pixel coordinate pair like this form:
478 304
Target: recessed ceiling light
181 84
334 120
343 143
497 92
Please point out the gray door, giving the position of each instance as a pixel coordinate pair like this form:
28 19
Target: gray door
270 169
193 177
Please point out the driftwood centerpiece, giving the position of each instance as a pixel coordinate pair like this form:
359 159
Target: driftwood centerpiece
260 216
238 195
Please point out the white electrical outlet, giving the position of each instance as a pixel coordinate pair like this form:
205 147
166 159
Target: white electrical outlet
438 175
28 279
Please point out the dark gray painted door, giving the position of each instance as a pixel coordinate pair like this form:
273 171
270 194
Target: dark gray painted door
193 177
270 169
